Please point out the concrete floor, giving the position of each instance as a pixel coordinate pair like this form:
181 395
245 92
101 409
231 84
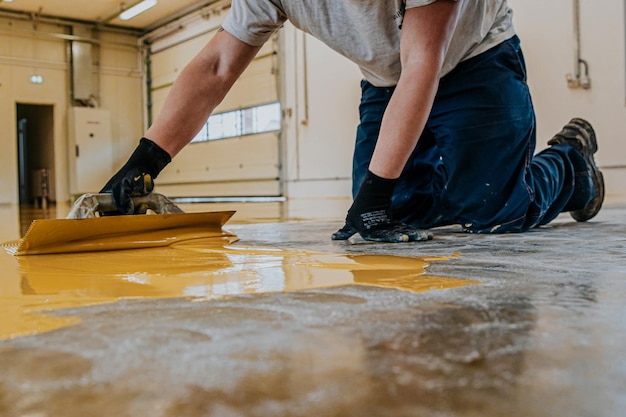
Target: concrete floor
543 334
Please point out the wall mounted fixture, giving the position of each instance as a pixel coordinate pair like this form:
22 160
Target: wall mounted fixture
36 79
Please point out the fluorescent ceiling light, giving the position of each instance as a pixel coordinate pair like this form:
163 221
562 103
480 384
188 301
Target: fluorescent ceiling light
137 8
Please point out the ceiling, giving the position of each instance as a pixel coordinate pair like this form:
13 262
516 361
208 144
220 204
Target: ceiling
104 11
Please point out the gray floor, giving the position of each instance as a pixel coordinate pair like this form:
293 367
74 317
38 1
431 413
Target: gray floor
543 335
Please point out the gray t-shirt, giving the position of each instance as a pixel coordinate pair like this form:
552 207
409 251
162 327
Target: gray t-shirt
368 31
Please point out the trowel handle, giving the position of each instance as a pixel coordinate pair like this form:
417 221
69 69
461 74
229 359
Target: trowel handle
158 203
90 205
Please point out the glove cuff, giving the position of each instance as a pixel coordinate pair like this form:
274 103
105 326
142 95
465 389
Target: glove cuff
375 190
372 205
150 156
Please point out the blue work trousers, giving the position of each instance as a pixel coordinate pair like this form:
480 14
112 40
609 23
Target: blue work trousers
474 164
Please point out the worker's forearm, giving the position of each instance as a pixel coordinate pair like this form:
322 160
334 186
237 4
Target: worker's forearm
199 89
426 34
193 97
403 122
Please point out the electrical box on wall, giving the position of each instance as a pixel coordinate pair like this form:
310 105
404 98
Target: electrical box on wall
90 149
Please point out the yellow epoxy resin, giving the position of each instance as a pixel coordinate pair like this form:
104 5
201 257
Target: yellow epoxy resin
199 269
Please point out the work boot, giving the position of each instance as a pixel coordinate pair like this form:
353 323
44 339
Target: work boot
580 134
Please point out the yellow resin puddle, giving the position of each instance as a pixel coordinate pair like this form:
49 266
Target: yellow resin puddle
198 269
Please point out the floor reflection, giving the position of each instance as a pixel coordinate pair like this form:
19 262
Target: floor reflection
198 265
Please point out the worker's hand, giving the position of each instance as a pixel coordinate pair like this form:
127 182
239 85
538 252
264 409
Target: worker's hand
136 177
376 224
370 215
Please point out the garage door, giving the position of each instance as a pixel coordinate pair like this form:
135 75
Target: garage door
237 151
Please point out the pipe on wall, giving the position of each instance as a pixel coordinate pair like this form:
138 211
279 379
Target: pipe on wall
580 77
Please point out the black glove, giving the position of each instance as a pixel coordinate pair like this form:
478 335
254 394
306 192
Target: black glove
370 215
136 177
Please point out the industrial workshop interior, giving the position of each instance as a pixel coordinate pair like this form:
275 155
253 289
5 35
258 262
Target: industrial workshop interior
259 312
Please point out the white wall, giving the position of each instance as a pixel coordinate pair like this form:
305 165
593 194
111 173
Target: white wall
321 95
20 57
121 92
118 77
546 29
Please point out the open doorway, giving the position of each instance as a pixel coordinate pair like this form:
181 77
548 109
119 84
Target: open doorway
35 153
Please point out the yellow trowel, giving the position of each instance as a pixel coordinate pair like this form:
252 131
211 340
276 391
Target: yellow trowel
158 222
